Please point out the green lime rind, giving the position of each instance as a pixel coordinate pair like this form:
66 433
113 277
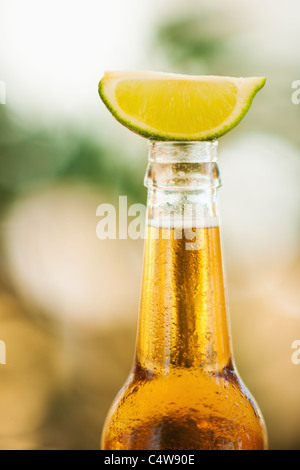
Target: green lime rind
156 135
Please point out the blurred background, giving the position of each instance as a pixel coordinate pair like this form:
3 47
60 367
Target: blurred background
69 301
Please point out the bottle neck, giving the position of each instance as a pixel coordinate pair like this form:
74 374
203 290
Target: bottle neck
182 321
182 181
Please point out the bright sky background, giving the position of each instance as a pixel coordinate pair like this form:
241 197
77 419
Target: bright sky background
52 53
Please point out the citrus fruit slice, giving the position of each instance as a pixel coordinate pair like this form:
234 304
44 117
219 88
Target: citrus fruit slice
166 106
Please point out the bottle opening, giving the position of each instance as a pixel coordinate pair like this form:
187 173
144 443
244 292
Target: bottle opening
182 152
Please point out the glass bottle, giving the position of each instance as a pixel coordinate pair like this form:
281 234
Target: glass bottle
183 392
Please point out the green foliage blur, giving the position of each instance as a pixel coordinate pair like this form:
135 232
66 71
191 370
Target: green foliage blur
30 158
208 43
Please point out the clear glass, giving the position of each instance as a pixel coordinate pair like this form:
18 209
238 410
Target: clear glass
183 392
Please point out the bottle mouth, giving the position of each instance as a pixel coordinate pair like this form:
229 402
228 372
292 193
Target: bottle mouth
182 151
182 166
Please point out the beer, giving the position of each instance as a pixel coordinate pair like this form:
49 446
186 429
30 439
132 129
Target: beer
183 392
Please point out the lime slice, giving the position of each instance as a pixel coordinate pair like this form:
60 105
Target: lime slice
166 106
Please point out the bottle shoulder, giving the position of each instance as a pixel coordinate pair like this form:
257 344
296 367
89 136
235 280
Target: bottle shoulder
187 386
189 403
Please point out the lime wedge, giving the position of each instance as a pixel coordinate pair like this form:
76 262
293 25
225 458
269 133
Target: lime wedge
166 106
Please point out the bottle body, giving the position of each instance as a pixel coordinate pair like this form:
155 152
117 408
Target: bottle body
183 392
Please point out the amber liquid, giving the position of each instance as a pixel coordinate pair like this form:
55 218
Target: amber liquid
183 392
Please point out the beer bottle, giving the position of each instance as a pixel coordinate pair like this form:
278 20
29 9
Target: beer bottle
183 392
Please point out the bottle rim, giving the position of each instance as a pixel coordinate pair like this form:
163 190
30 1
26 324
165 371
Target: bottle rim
167 151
